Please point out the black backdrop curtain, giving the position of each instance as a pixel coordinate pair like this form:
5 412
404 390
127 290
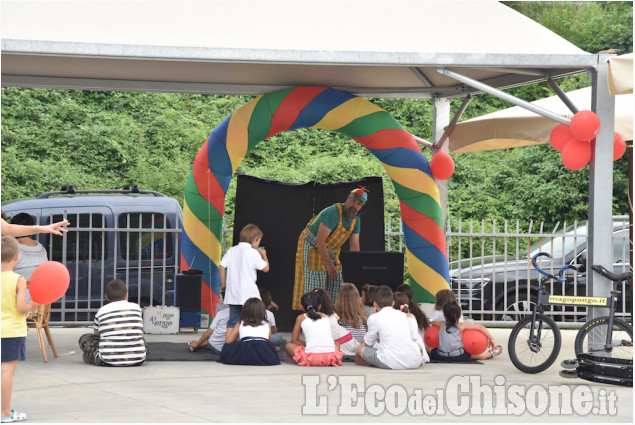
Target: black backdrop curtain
282 210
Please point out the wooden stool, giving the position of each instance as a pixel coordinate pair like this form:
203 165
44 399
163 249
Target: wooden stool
40 321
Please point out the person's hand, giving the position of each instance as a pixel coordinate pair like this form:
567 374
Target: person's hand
274 306
332 271
263 253
55 228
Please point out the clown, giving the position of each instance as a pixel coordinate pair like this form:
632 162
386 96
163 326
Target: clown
317 259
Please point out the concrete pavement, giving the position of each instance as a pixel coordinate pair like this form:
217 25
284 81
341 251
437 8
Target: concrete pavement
66 390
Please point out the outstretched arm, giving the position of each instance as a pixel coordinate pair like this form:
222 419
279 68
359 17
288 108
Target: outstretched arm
18 230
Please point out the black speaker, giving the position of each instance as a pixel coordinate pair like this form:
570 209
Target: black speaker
374 267
188 292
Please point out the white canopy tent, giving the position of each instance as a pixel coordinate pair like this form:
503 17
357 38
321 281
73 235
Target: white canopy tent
516 126
398 48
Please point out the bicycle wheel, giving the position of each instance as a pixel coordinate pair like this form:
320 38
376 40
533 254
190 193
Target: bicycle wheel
592 339
534 353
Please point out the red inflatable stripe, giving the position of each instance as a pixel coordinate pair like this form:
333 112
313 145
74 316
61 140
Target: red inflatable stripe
424 226
291 106
389 139
206 181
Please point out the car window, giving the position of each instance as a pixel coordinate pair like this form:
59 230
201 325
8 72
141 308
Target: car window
87 245
620 247
558 246
145 241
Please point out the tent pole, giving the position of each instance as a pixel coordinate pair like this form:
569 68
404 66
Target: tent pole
504 96
562 95
455 120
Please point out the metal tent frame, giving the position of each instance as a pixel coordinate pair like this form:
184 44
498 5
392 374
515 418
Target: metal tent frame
201 47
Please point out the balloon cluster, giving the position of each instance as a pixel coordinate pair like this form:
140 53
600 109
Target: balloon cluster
575 141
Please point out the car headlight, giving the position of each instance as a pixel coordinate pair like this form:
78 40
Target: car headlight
469 284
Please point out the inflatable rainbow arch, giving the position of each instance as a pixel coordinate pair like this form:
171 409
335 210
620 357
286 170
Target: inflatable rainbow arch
328 109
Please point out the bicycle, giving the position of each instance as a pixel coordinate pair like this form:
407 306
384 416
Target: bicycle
535 341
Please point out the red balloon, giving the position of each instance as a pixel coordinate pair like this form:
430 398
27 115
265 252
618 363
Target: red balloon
585 125
474 341
442 165
560 136
619 146
431 337
576 154
49 282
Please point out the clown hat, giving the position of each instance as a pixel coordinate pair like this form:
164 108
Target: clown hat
361 194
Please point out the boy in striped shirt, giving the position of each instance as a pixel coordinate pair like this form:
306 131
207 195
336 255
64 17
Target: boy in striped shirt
117 338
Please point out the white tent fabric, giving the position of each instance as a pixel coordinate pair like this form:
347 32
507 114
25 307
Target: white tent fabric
368 47
621 74
516 126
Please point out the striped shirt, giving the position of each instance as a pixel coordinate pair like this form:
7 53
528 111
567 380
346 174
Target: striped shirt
120 327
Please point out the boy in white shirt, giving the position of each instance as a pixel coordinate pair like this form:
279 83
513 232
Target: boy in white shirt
238 269
398 348
215 335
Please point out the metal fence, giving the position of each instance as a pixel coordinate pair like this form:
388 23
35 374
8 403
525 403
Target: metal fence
490 270
491 273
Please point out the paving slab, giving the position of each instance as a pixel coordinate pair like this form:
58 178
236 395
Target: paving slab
66 390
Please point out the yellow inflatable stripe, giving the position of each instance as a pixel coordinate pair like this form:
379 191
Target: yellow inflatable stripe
414 179
201 236
429 279
237 133
346 112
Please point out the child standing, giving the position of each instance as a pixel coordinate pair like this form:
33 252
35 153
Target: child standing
398 348
320 348
214 337
249 343
238 268
14 330
451 342
350 310
117 338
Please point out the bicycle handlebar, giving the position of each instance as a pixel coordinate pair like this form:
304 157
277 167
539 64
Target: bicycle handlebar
560 277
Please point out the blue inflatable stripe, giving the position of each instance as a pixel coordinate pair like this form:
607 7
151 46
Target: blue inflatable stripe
197 259
422 249
319 106
218 157
402 157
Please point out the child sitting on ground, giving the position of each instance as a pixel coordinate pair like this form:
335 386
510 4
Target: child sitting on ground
423 322
117 338
451 340
319 349
276 337
368 291
214 337
249 342
14 330
342 336
443 297
398 348
403 304
350 310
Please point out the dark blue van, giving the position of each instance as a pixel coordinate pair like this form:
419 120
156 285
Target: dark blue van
129 234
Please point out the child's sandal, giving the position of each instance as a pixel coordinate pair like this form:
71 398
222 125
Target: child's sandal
15 417
496 351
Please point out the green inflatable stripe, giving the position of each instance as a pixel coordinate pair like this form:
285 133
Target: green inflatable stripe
420 202
370 124
420 293
261 117
200 207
